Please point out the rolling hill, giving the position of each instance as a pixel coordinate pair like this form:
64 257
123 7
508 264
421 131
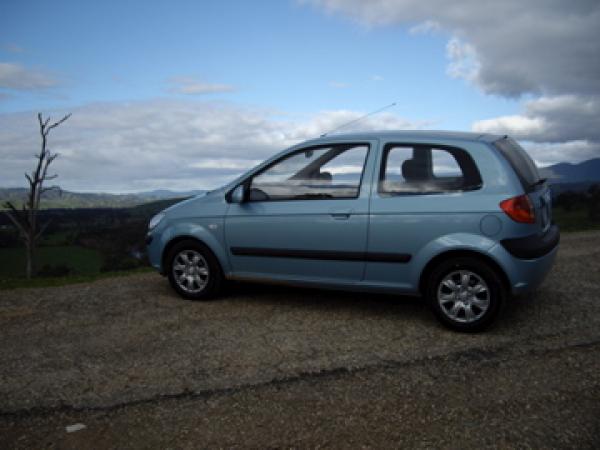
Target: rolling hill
563 177
66 199
584 172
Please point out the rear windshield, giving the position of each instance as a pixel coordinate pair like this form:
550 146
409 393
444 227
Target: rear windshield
520 161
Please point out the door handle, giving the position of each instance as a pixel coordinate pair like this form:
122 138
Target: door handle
342 214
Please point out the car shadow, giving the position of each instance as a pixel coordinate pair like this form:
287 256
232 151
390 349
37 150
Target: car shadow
316 299
517 312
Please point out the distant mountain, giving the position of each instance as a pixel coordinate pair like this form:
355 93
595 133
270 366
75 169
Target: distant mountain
584 172
562 176
572 177
66 199
160 194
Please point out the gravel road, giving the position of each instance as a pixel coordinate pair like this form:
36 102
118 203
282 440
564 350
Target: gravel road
274 366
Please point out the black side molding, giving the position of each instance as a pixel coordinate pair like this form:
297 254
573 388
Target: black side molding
321 254
534 245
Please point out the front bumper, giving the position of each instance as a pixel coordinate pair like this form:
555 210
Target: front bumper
154 250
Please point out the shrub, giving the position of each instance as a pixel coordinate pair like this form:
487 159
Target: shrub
57 270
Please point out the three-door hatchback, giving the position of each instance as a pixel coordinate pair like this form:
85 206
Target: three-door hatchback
462 219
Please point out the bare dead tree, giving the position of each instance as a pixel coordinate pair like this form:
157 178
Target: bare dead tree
25 219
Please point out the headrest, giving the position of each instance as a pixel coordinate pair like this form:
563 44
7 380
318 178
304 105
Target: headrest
413 170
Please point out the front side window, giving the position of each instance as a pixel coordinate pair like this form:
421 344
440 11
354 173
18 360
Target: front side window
423 169
333 171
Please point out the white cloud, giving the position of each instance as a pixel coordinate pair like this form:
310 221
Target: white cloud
518 126
562 128
548 46
426 27
376 78
15 76
575 151
193 86
226 163
164 143
463 60
339 85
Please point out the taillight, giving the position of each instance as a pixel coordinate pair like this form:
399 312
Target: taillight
519 209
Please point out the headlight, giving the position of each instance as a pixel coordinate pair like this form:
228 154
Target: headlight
155 220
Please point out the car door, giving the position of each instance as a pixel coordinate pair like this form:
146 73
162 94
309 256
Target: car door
305 216
424 191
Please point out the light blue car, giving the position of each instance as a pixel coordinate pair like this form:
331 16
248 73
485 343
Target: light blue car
462 219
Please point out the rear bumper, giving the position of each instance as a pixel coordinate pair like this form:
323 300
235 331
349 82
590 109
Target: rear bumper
526 274
533 246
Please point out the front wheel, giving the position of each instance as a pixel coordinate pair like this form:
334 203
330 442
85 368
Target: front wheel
465 293
193 270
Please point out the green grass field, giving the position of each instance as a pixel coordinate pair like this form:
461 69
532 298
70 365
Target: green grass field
40 282
82 261
61 238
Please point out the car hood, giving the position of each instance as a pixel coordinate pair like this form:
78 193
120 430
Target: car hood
208 204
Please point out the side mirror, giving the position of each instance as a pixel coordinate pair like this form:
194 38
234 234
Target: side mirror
238 194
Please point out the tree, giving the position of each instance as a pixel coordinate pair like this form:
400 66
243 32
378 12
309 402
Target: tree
25 219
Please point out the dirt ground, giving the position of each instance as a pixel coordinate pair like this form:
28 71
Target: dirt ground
285 367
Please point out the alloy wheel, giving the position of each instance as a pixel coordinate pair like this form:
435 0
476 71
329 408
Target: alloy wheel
463 296
190 271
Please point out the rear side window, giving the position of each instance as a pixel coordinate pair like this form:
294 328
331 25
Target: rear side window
520 161
425 169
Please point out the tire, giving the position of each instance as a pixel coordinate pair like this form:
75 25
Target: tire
193 270
465 293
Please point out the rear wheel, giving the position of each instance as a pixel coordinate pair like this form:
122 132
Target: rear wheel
465 293
193 270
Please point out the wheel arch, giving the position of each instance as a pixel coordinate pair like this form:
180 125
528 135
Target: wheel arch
436 260
181 238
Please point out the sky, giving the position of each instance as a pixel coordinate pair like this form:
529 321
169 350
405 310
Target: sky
188 94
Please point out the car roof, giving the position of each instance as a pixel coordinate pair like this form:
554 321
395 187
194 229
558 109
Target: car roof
407 135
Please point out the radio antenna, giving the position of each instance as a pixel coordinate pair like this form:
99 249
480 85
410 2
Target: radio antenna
359 119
